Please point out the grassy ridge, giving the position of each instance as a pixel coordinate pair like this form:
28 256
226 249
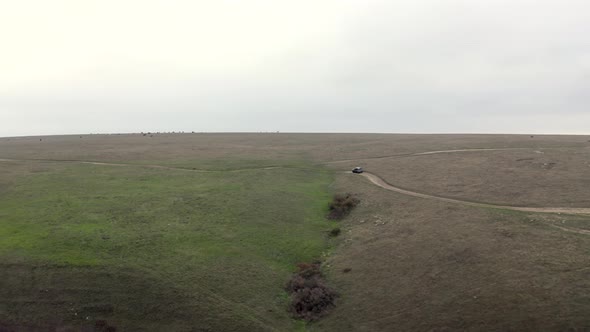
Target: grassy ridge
216 247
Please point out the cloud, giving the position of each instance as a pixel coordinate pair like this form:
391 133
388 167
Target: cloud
383 66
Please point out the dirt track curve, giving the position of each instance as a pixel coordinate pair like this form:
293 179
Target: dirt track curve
381 183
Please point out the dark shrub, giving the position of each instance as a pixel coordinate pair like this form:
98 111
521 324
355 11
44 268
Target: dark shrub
341 205
335 232
310 297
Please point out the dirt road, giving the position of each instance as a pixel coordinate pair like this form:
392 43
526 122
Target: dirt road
381 183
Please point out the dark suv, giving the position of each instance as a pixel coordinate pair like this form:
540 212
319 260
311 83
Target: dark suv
357 170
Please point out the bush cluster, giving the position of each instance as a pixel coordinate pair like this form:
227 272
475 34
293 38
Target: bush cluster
310 297
341 205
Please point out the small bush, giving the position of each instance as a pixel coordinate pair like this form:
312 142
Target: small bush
310 297
341 205
335 232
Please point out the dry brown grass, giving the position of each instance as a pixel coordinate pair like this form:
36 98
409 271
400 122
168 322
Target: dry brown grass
420 265
320 147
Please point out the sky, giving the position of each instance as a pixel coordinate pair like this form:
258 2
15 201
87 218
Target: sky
408 66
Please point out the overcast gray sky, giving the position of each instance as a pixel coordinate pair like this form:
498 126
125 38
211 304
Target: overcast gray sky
508 66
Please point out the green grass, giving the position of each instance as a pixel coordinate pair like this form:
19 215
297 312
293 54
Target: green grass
212 249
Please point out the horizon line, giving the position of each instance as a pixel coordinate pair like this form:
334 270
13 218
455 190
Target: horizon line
296 132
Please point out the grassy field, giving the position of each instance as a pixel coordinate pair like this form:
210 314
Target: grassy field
156 249
161 249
